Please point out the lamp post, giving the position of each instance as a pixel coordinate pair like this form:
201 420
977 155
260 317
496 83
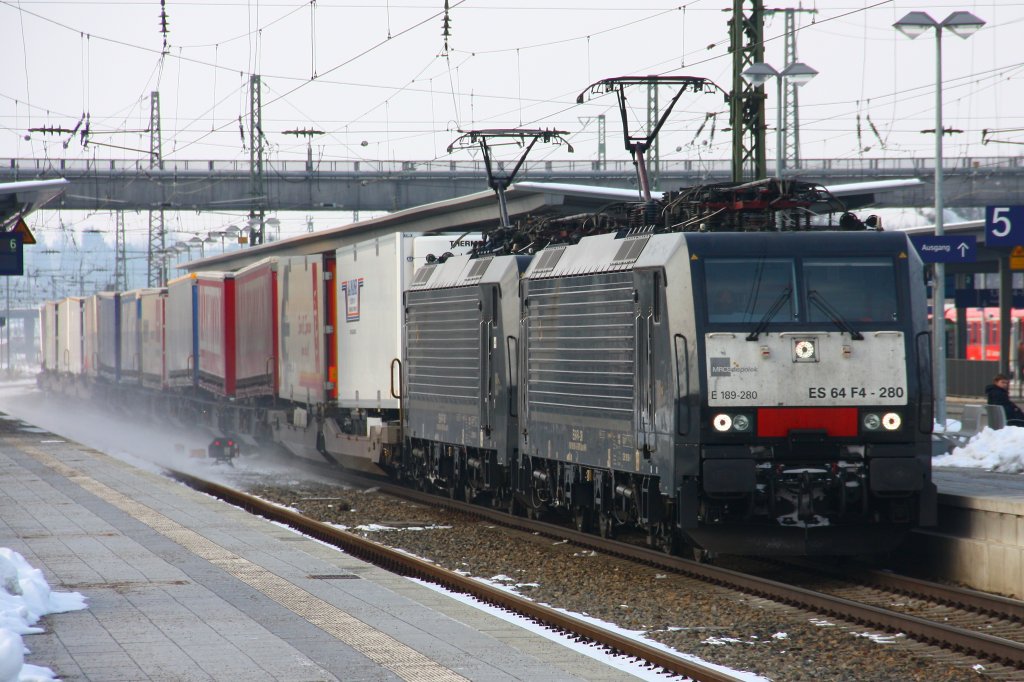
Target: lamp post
963 24
196 241
798 73
232 232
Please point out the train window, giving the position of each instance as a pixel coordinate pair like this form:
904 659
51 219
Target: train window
745 289
859 289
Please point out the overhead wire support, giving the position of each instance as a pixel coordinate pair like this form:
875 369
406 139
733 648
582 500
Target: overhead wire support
156 254
482 138
309 133
638 144
746 101
790 99
987 133
257 184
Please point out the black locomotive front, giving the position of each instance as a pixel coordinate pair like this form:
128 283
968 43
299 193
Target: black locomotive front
815 393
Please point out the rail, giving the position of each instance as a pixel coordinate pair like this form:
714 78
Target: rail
406 564
944 634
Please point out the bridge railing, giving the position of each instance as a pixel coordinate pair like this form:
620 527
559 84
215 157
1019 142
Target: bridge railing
873 166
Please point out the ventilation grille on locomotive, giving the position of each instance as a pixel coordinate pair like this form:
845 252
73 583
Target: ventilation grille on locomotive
442 341
423 275
479 268
630 250
581 340
548 259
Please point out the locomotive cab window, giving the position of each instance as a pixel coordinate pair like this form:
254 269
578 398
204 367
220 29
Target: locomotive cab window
858 289
745 289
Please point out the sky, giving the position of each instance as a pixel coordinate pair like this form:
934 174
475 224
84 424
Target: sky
382 82
1000 451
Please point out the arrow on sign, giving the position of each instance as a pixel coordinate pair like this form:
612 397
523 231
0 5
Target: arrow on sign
963 249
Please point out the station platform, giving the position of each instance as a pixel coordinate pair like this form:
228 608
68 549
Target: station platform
979 539
181 586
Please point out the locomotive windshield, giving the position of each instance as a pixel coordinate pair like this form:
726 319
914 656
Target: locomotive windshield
743 290
860 289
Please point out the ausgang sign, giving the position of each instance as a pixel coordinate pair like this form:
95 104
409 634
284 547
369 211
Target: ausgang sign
946 248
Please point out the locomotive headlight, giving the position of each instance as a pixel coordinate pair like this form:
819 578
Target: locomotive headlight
722 422
805 350
872 422
740 422
891 421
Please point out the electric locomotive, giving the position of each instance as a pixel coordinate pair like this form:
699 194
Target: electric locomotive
740 388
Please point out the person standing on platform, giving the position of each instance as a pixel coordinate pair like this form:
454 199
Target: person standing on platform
998 393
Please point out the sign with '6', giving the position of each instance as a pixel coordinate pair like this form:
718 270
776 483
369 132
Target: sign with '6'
12 257
1004 226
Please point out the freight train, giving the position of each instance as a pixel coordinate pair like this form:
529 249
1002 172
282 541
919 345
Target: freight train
713 369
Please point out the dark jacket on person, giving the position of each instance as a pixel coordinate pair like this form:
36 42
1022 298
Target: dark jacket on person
1000 396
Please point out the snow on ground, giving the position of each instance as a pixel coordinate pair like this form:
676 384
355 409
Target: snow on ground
25 597
993 450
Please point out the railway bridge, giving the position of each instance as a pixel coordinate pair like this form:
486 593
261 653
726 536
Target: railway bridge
118 184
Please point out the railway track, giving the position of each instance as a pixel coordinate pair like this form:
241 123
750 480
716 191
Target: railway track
405 564
988 627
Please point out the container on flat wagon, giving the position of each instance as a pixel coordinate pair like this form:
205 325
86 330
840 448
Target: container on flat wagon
129 351
70 332
48 336
151 337
90 341
256 329
303 319
216 330
181 331
108 335
371 278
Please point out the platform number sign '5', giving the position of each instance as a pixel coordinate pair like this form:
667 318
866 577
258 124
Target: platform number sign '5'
1004 226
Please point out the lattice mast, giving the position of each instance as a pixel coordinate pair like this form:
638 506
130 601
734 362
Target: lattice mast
790 98
746 102
257 182
120 254
653 155
156 254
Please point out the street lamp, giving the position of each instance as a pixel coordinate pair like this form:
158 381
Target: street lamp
274 226
212 237
232 231
760 73
963 24
196 241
